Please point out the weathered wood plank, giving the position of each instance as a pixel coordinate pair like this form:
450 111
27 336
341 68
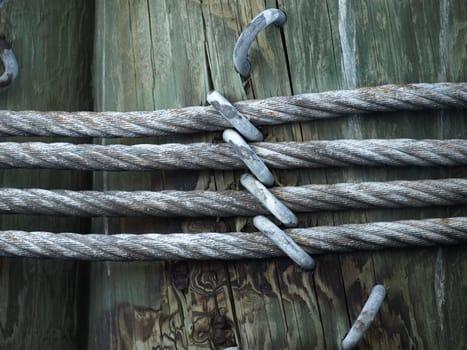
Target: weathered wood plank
270 303
41 300
417 46
163 47
316 65
381 42
173 52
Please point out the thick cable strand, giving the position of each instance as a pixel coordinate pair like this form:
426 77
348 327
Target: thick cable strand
198 156
271 111
308 198
234 245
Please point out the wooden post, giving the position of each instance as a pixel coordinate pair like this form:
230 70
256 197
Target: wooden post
40 300
169 54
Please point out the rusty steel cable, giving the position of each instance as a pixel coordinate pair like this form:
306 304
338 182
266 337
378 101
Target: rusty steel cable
198 156
270 111
309 198
234 245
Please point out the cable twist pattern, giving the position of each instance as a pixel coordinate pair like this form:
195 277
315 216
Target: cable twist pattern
270 111
198 156
308 198
234 245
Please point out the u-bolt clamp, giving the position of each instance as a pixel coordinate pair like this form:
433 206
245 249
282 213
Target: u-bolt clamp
10 65
260 22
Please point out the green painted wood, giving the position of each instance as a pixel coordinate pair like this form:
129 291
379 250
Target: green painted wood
169 54
42 303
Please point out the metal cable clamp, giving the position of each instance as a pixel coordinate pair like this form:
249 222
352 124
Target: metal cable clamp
284 242
269 201
234 117
248 156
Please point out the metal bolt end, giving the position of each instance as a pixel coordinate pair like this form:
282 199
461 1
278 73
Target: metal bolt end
269 201
246 38
284 242
241 123
10 64
248 156
3 3
365 318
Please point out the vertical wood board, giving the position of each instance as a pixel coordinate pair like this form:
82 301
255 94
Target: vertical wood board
152 55
41 300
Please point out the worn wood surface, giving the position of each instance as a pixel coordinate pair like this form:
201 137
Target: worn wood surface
159 54
41 301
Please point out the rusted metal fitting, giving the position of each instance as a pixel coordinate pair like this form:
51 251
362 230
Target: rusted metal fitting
10 64
241 123
260 22
284 242
366 317
269 201
248 156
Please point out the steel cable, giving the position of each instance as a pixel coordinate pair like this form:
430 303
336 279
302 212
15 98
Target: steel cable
308 198
197 156
234 245
270 111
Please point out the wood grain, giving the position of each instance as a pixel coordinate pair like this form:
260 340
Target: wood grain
169 54
43 302
369 62
162 45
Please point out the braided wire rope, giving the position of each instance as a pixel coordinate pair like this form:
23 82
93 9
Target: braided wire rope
270 111
233 245
307 198
229 203
197 156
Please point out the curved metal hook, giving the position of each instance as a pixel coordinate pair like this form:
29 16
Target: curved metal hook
3 3
11 69
365 318
260 22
